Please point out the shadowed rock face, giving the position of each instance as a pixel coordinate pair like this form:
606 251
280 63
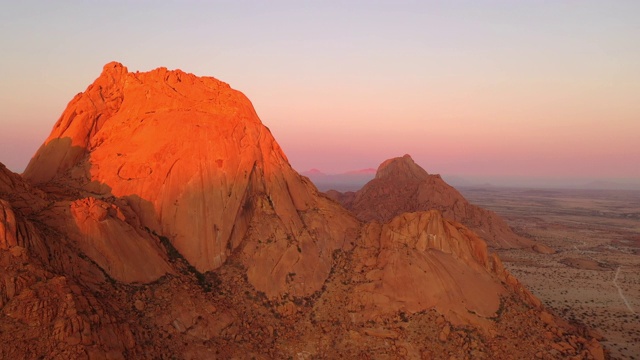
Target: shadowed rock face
46 305
402 186
419 261
161 219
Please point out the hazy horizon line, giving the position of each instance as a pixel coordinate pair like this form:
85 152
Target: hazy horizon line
471 180
483 180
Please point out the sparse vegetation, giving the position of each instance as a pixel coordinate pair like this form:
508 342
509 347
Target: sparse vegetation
578 281
175 257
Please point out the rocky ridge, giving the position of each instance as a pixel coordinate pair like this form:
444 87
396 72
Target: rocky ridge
400 186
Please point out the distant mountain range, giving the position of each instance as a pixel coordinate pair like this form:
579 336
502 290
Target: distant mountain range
608 185
348 181
356 179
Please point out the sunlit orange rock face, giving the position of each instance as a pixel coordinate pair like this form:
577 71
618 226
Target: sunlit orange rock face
194 163
402 186
161 219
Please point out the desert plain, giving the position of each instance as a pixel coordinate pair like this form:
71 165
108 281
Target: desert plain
594 277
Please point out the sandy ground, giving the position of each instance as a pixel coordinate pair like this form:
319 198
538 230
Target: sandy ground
594 278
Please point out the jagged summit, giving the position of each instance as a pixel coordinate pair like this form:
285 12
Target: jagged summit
401 168
118 99
113 69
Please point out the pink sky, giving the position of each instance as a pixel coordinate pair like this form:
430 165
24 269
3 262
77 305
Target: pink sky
491 89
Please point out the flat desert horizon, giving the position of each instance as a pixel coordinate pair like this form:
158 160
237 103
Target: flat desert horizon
355 179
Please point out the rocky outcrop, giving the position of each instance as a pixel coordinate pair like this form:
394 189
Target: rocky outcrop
14 189
50 316
17 200
102 232
402 186
190 158
419 261
46 310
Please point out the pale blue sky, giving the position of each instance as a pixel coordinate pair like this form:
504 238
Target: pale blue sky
475 88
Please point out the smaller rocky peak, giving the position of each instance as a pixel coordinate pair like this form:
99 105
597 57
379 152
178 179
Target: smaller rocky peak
114 69
401 168
109 84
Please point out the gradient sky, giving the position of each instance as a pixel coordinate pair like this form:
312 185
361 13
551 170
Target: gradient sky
511 89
